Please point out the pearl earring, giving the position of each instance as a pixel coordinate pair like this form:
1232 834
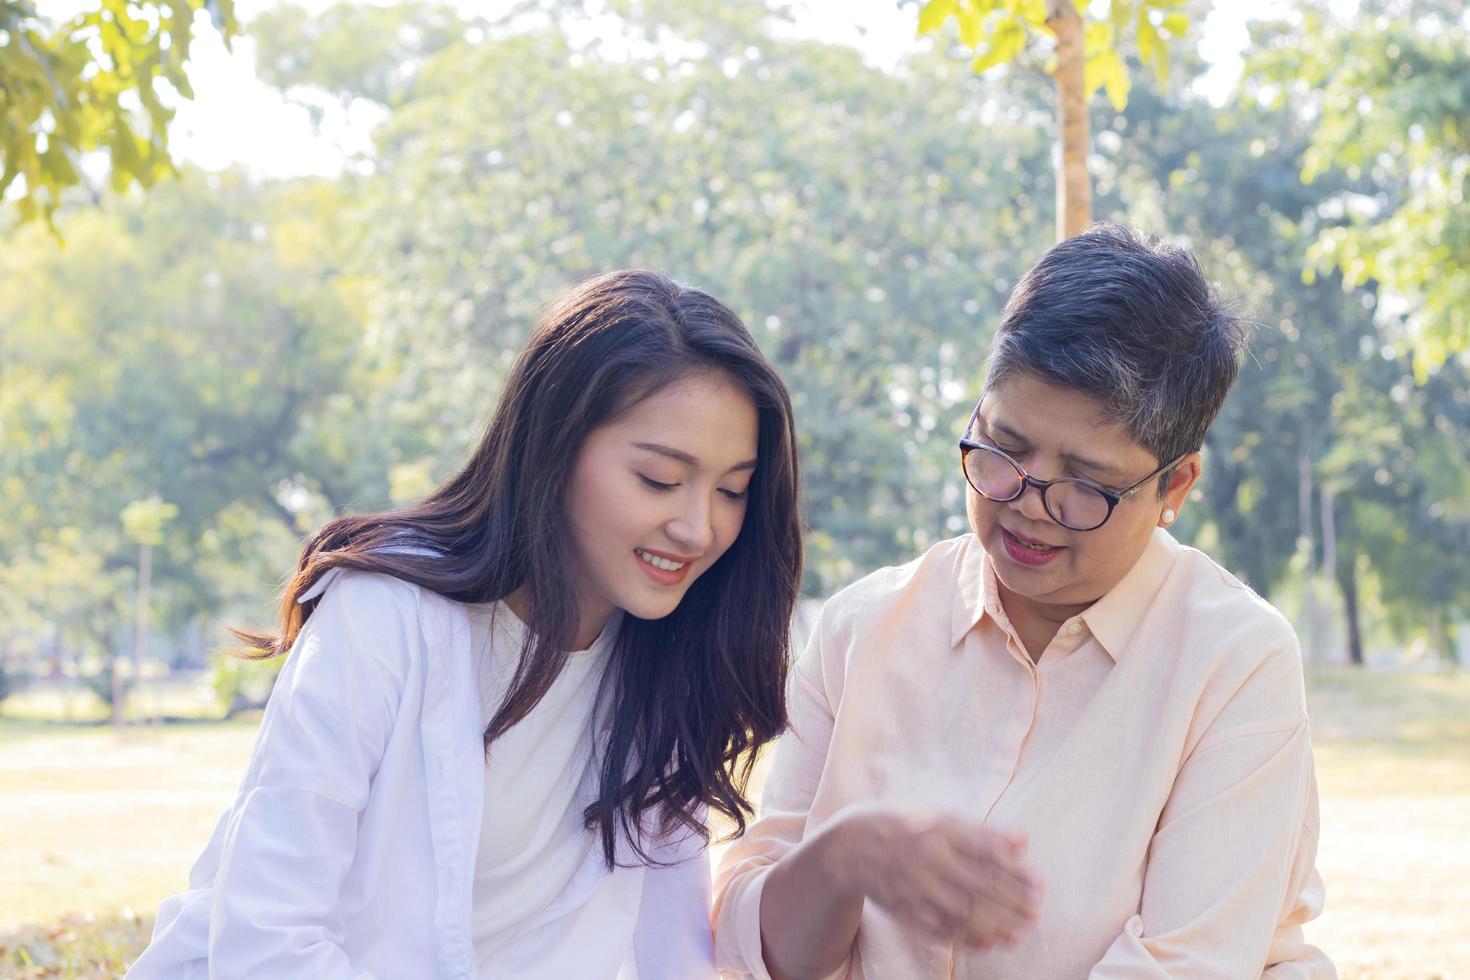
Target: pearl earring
1169 516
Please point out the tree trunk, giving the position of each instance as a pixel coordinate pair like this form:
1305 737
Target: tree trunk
1441 636
1304 505
57 670
1074 187
1347 581
140 621
114 665
1312 611
1329 529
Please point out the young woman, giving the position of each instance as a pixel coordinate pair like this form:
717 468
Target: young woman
1063 745
508 709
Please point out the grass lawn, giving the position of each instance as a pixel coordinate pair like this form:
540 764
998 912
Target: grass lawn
1393 764
97 827
96 823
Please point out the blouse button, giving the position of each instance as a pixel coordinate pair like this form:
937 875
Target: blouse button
1075 628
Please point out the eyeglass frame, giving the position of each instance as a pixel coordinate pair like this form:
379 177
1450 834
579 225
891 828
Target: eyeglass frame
1113 497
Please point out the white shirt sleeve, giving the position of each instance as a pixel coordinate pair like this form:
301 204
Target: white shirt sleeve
289 840
672 939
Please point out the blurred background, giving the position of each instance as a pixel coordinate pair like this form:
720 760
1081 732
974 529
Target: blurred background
265 263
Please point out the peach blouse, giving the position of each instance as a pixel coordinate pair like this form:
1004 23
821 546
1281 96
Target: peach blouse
1157 756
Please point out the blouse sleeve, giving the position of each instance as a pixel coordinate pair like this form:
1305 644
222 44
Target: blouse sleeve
791 785
1231 868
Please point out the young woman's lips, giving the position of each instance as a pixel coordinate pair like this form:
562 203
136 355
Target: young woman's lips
1021 554
663 576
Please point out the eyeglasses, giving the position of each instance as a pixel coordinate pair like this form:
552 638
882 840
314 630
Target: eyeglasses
1073 502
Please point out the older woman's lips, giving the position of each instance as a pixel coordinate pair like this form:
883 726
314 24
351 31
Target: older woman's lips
1024 551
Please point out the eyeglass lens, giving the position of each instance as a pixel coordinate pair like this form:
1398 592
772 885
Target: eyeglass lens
1071 504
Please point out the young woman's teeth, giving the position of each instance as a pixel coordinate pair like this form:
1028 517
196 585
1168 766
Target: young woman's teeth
660 563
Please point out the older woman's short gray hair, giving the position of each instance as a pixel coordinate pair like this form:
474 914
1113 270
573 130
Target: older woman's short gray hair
1132 323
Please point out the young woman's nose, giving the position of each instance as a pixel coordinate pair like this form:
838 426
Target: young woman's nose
692 528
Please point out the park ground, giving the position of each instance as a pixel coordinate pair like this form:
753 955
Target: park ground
97 827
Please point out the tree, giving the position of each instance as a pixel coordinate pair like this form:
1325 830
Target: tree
869 268
1334 476
100 82
198 348
1389 96
1383 440
360 50
268 355
1086 54
143 522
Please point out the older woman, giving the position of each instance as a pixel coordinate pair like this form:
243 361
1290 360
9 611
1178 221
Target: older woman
1063 745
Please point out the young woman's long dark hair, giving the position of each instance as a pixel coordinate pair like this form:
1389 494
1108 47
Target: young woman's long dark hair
695 692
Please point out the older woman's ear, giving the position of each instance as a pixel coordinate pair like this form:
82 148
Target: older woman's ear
1181 481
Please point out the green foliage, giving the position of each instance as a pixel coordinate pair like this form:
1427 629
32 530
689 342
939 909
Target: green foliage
143 520
101 81
9 681
1390 96
1328 389
227 680
263 356
851 254
75 948
187 350
242 684
368 51
100 683
998 32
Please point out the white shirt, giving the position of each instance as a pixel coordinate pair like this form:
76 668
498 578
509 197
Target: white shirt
350 850
546 764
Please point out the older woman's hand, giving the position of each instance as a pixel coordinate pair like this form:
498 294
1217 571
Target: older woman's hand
950 877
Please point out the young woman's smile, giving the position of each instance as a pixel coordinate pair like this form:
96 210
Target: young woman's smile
663 568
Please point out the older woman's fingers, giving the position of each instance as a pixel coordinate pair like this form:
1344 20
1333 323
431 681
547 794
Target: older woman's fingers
1000 884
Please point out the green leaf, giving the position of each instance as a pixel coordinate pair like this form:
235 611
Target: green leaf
1106 71
1152 50
1115 80
1119 13
1006 41
934 13
84 74
972 27
1097 37
1032 11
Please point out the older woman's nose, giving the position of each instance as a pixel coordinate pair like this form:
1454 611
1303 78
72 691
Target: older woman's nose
1030 505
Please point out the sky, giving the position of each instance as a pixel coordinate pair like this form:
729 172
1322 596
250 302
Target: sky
235 119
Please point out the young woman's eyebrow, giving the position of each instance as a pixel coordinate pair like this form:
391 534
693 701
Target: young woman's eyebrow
680 456
1083 462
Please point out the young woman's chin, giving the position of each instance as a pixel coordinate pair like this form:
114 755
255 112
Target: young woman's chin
650 600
